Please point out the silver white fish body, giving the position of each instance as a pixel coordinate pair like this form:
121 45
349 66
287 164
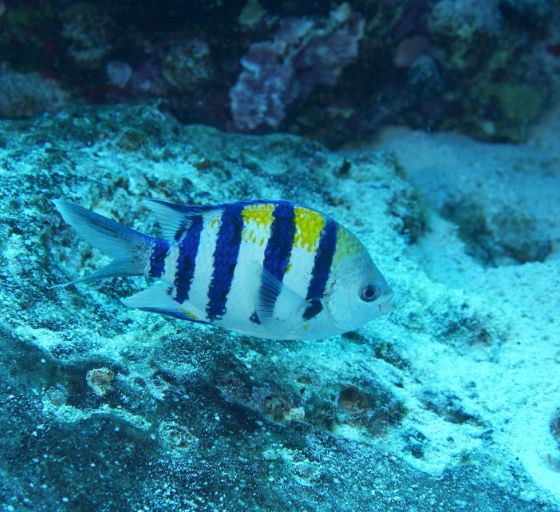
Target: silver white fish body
270 269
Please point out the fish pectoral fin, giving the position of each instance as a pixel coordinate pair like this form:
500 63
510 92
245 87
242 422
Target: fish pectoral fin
158 299
278 307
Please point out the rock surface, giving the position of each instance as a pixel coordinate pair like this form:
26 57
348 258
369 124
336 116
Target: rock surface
440 406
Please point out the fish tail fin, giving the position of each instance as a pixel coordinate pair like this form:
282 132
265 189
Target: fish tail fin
129 249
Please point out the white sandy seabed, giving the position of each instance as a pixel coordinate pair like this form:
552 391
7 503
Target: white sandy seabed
512 385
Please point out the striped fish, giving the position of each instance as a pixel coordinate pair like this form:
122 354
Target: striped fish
271 269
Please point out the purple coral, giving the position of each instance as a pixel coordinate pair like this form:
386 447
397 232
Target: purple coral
302 55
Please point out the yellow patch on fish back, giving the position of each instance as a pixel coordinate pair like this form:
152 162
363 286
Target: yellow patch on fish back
259 214
309 225
256 216
346 245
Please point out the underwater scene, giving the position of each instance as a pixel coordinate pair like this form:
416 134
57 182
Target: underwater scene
278 255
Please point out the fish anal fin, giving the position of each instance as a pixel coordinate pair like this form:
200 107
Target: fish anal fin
158 299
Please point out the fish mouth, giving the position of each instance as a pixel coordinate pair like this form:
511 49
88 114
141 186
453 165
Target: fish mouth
387 304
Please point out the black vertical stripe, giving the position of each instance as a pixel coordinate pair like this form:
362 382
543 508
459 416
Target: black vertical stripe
321 269
225 259
188 249
278 249
157 258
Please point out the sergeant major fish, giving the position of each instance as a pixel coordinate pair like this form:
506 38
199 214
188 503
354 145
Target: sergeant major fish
271 269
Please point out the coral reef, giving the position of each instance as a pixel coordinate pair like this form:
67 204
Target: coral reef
450 403
331 70
86 33
463 25
28 94
301 56
100 380
110 408
186 65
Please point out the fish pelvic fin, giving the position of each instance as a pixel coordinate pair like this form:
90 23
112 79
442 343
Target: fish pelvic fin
129 249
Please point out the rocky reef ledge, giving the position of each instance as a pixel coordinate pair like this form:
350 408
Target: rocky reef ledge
444 405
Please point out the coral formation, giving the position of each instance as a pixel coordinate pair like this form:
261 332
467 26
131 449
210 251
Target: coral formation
86 32
463 25
186 65
331 70
100 380
28 94
301 56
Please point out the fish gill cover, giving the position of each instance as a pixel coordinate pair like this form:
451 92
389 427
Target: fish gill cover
450 403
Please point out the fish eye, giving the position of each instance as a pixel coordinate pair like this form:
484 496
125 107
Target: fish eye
369 293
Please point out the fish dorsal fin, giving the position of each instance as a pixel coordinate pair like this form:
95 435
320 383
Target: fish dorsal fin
158 299
277 306
175 219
